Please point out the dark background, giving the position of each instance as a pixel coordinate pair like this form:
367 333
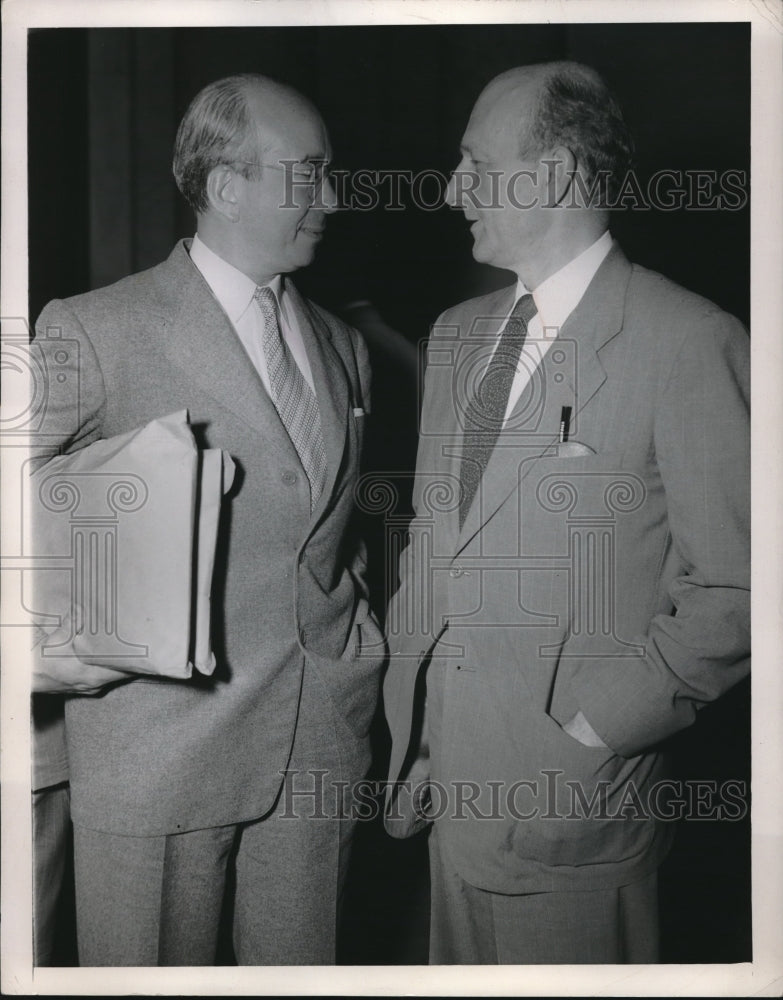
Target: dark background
104 105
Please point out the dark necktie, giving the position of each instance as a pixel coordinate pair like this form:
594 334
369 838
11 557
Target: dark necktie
485 413
294 400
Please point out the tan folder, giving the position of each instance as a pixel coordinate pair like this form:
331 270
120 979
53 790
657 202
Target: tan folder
124 533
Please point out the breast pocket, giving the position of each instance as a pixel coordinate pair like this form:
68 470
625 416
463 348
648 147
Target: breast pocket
560 497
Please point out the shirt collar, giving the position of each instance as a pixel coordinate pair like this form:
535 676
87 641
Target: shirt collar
233 289
558 296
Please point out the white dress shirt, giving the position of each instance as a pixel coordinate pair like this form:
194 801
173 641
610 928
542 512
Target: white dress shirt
235 293
555 299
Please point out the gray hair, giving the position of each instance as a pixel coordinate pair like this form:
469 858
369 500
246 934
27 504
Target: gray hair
577 110
215 129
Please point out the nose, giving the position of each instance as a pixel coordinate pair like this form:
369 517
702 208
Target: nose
456 188
451 191
328 195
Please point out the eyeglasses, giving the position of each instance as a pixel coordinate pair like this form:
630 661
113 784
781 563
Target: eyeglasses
312 174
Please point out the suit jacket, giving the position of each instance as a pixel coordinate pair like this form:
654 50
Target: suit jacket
614 581
155 756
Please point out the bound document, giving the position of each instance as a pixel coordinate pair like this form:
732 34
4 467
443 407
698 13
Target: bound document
124 533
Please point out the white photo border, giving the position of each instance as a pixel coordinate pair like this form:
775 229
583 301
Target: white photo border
764 975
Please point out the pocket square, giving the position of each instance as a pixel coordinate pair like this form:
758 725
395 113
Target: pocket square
358 411
573 449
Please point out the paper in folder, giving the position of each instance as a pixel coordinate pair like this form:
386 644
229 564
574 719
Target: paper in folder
124 535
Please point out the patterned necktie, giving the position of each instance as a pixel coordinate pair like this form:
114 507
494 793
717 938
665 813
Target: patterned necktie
294 400
486 411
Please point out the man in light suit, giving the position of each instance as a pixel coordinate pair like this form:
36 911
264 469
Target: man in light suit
580 546
182 789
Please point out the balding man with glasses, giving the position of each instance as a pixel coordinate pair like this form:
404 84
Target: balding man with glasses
197 802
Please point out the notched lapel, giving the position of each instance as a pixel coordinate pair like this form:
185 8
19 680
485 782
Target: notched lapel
199 339
530 433
597 319
331 385
477 333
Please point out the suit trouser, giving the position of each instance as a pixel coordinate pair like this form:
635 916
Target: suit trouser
158 900
474 926
51 828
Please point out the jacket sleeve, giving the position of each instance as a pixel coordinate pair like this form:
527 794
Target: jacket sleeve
695 654
67 378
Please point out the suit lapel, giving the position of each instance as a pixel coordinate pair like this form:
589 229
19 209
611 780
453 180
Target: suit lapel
331 386
477 332
573 382
597 319
200 339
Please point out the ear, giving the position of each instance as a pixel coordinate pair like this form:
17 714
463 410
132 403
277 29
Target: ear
222 192
561 166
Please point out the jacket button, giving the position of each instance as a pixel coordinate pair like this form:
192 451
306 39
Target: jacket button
303 636
289 477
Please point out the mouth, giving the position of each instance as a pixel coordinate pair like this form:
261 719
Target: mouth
314 232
